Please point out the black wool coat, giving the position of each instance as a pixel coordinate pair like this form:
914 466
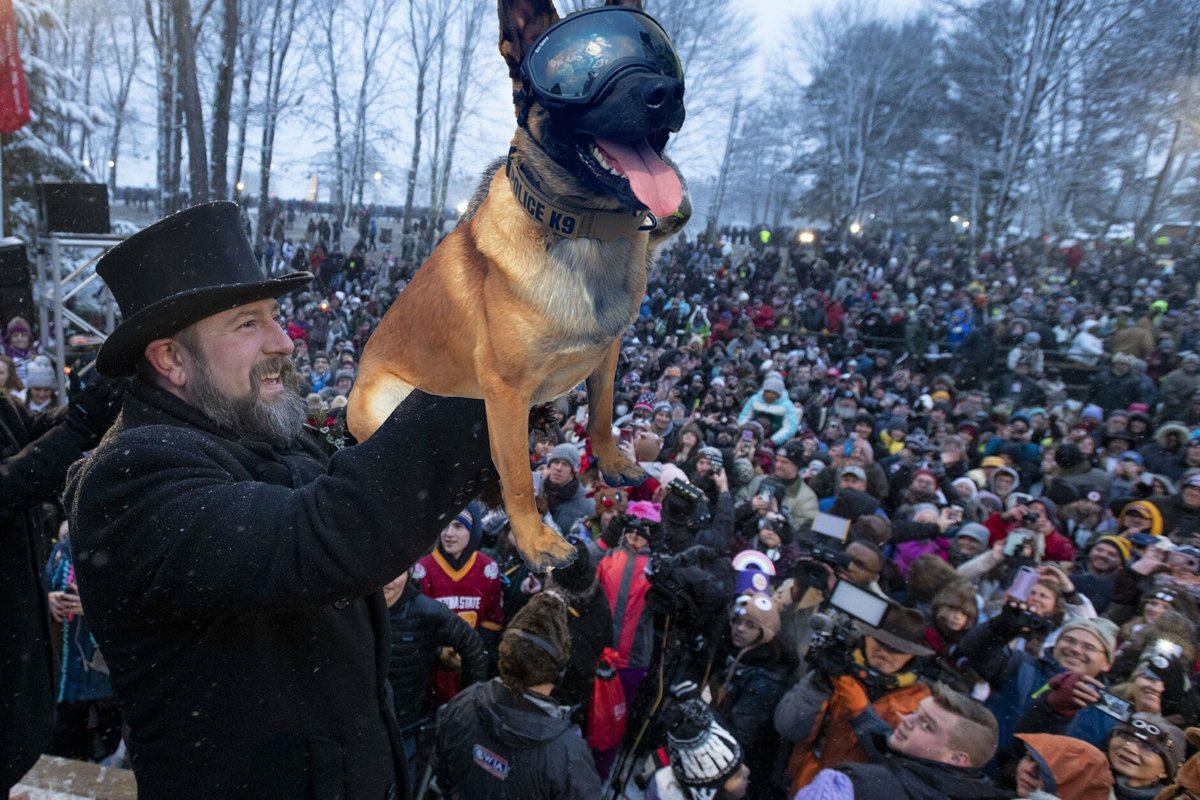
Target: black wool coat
34 457
233 587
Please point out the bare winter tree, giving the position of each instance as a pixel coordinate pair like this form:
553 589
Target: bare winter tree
123 35
331 61
470 17
252 15
160 23
723 175
189 90
426 34
223 98
874 87
1175 96
1003 60
375 30
278 42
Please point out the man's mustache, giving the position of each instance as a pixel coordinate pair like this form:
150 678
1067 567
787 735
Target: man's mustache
277 365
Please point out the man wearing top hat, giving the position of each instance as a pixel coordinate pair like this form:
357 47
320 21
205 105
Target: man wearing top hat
230 569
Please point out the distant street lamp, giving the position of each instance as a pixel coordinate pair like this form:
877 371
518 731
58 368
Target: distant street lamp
855 228
807 237
954 218
241 187
111 163
966 223
378 176
461 208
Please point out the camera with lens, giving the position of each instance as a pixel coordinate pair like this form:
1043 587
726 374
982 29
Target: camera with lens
830 650
1034 623
636 525
809 570
1022 620
1029 520
833 643
693 586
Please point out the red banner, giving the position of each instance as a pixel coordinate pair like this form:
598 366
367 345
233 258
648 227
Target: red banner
14 96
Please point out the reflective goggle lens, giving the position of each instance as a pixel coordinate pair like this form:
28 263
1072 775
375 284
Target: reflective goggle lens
573 59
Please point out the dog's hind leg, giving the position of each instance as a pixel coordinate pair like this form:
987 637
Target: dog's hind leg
600 404
507 414
372 401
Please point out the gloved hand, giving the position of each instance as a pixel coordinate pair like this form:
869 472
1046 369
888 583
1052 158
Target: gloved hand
851 694
1062 697
94 408
1007 624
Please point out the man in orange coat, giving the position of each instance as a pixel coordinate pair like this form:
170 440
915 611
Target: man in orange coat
819 712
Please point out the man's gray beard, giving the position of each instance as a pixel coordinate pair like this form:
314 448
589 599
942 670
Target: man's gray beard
250 416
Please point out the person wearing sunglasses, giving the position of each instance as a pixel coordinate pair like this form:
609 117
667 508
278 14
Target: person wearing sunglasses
1144 754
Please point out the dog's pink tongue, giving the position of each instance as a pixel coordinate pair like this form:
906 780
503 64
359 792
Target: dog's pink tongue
652 181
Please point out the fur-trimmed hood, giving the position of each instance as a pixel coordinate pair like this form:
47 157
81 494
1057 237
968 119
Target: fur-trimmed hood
1160 435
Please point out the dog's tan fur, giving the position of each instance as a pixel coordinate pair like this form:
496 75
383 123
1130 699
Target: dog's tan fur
506 311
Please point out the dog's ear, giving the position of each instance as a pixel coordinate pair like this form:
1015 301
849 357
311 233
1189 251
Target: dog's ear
521 23
627 3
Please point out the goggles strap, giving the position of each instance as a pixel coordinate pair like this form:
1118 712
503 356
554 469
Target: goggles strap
566 220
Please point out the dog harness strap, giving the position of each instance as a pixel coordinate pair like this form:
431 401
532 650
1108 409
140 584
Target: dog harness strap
572 222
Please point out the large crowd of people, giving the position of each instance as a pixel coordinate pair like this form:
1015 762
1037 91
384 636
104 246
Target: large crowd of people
913 524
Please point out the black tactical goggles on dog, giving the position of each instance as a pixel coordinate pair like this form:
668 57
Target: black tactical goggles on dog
573 61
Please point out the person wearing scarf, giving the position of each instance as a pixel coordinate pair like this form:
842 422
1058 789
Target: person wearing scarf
467 582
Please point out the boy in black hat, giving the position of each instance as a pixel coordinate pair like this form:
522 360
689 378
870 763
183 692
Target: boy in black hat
230 568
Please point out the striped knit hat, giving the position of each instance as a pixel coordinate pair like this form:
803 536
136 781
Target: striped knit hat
702 753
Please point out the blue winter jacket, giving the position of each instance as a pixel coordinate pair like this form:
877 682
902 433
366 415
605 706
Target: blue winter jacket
1017 680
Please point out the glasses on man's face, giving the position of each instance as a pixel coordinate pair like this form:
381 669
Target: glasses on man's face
1087 647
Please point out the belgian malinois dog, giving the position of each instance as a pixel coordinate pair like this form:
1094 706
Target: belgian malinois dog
532 290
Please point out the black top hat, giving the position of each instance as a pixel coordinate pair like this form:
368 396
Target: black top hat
178 271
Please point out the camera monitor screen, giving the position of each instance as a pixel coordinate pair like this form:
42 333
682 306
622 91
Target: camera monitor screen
831 526
864 606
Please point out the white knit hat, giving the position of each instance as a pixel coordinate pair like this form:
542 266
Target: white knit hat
702 753
40 374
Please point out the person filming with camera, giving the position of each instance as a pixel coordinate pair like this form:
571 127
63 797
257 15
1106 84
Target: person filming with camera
856 670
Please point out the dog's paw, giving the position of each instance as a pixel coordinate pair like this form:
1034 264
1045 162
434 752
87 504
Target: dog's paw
621 465
548 550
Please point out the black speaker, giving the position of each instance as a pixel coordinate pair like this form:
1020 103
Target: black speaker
73 208
16 293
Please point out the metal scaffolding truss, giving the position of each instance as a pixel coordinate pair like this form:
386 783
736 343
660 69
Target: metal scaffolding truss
52 310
